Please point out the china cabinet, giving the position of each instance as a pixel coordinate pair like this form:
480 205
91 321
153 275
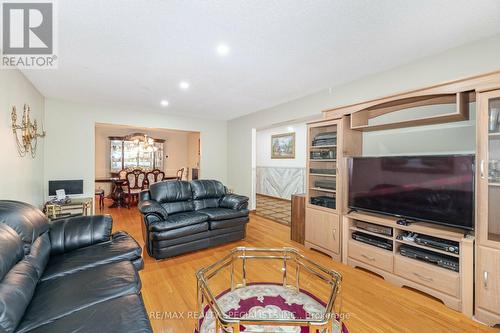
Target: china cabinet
129 152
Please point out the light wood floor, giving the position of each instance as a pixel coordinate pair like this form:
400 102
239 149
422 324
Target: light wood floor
372 304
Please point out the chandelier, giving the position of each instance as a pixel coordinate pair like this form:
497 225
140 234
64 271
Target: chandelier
27 137
149 143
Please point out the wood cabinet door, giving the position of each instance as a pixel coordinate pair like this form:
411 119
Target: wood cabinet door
322 229
488 279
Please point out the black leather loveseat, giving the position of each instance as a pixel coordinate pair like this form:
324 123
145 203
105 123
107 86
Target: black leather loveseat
181 216
71 275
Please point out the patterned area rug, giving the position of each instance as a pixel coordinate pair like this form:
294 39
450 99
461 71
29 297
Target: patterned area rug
274 209
267 301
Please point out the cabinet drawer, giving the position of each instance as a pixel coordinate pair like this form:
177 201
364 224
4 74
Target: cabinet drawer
428 275
488 279
370 255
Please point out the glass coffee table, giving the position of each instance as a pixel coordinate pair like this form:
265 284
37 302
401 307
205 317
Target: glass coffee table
268 290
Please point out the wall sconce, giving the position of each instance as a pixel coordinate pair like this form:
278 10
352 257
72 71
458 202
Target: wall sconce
27 137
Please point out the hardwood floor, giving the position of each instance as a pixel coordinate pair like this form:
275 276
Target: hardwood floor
371 304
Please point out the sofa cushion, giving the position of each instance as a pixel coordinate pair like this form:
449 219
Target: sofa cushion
206 189
19 277
122 314
180 232
178 207
178 220
206 203
27 220
59 297
19 274
11 249
121 247
222 224
216 214
81 231
170 191
207 193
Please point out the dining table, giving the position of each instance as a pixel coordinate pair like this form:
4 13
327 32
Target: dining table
117 192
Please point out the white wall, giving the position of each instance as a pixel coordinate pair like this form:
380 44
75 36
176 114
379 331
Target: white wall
280 177
467 60
70 152
193 152
22 177
263 147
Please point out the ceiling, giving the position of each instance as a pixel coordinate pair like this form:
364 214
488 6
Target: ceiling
135 53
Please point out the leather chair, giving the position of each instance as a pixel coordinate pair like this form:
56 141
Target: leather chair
70 275
181 216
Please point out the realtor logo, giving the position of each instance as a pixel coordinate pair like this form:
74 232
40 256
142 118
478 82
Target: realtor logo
28 31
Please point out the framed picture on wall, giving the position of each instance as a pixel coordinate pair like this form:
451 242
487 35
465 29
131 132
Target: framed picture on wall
283 146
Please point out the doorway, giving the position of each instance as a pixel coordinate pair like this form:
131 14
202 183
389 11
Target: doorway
280 164
117 148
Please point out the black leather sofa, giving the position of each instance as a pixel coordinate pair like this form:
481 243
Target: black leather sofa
181 216
71 275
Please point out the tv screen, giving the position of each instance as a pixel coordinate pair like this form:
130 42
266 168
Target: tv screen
71 187
437 189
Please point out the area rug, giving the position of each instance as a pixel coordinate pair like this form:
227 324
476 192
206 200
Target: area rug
267 301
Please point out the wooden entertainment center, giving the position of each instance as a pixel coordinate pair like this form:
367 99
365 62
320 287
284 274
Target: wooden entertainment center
474 287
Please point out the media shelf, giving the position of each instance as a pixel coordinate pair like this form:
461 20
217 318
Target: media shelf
437 277
329 142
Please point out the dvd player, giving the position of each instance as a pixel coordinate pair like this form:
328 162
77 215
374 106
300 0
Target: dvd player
372 240
437 243
375 228
441 260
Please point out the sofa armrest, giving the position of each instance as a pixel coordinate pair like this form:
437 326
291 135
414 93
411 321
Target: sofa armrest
77 232
151 207
233 201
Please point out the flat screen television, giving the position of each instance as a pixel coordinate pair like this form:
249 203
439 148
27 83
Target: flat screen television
71 187
436 189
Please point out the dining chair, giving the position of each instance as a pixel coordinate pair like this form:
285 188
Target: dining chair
154 176
123 174
99 192
136 180
180 173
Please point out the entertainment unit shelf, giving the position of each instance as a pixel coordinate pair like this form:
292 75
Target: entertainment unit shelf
322 175
451 287
328 143
427 248
371 233
322 147
322 189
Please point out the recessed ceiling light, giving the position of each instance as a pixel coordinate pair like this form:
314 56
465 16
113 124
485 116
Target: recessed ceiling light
223 49
184 85
164 102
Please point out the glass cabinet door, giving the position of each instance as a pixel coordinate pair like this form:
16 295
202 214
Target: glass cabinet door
489 152
130 155
116 155
158 156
